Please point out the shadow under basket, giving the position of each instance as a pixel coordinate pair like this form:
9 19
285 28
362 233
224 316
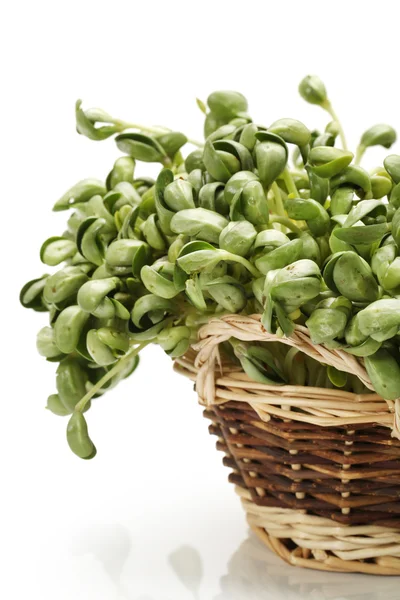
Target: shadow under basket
318 472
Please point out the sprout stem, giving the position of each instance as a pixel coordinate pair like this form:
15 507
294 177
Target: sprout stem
116 368
243 261
272 203
289 182
330 110
279 208
195 143
287 223
359 154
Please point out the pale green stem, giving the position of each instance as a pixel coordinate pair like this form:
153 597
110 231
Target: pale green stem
289 182
359 154
243 261
329 109
152 130
271 198
287 223
279 208
116 368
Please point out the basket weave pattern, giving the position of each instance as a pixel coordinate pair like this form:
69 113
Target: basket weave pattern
317 470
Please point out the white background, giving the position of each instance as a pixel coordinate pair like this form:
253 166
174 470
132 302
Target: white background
156 495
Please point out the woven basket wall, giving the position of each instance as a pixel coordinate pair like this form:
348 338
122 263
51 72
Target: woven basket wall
318 471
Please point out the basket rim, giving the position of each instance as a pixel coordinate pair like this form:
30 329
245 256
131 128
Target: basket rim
218 382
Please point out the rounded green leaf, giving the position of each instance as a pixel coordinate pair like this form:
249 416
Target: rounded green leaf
238 237
292 131
382 315
236 183
79 193
68 328
55 406
341 201
46 343
312 212
396 227
115 339
194 160
312 90
384 372
258 363
228 293
85 123
31 295
270 239
123 170
89 242
226 104
279 257
198 256
178 195
92 296
152 233
211 197
353 176
367 234
172 142
319 187
194 293
379 135
310 248
71 382
149 310
350 275
254 203
174 340
140 147
326 324
291 294
63 284
100 352
247 136
338 378
327 161
237 150
78 437
212 123
390 279
121 253
57 249
200 222
365 208
164 213
176 247
223 132
271 158
220 164
366 348
392 166
156 283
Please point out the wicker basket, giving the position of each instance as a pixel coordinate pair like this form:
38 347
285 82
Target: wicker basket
317 470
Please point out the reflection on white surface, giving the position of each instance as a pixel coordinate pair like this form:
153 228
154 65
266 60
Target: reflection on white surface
252 573
187 564
255 573
110 545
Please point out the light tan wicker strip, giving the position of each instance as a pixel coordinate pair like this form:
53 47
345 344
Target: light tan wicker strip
333 407
333 548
